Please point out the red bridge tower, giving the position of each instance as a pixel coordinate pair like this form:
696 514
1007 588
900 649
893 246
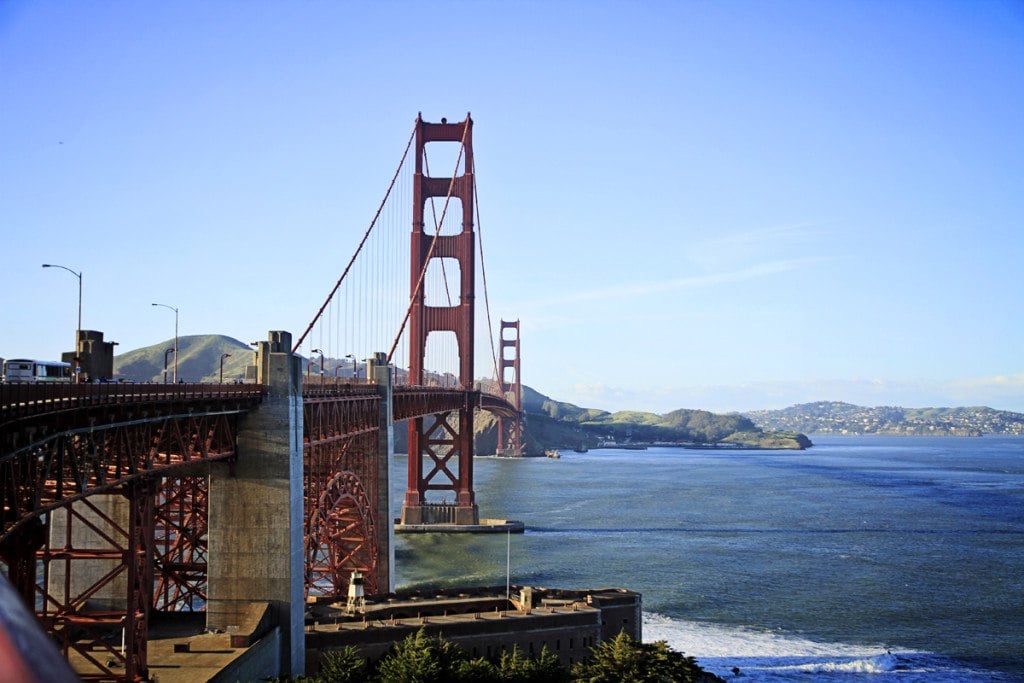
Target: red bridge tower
441 446
510 430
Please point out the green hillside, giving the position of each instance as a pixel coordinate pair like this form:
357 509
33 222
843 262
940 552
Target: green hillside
198 360
554 424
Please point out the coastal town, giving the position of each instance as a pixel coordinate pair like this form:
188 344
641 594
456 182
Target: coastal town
836 417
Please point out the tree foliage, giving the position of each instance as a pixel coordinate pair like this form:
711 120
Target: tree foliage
545 668
417 659
420 658
623 660
346 665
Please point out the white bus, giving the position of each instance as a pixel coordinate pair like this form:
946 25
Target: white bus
22 370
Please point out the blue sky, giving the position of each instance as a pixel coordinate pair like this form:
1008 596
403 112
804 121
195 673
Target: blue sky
728 205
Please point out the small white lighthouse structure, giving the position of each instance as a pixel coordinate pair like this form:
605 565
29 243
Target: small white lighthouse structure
356 600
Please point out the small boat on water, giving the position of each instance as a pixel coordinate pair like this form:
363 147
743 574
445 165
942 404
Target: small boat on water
552 453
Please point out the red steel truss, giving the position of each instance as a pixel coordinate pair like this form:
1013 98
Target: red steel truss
148 552
341 453
441 446
180 524
93 569
342 538
96 583
71 464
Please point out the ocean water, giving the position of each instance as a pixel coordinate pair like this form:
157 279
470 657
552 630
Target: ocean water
861 559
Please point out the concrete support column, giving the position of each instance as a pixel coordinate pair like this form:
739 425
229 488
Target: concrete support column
379 373
256 512
85 556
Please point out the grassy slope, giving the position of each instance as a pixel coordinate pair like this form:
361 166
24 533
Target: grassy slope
198 360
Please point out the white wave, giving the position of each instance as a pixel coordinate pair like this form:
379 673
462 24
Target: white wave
745 654
711 640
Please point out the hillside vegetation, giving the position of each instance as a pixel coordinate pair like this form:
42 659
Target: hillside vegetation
555 424
198 360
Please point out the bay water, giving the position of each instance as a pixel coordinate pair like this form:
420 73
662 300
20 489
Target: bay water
862 558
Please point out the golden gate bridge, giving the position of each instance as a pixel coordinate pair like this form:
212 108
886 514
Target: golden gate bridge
121 502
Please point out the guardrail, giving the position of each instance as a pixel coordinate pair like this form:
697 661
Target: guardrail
18 401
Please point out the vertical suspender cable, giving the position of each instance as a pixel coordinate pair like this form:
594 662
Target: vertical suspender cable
361 243
483 273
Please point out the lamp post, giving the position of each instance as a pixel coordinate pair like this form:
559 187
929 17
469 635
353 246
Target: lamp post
175 338
78 330
166 353
349 355
321 363
222 357
255 361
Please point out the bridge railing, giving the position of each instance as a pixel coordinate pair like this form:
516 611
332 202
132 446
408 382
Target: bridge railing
488 386
334 389
413 401
26 400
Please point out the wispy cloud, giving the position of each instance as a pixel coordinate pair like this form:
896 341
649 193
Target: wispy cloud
691 282
772 236
723 259
1002 392
1007 388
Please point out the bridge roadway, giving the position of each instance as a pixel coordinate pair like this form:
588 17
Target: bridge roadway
37 420
64 446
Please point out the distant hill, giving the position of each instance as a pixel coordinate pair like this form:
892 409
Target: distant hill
549 423
198 360
835 417
555 424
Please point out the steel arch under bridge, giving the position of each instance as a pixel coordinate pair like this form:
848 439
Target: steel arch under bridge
345 496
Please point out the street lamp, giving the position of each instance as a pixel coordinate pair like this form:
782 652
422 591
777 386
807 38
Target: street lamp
166 353
78 331
349 355
321 363
222 357
175 338
255 361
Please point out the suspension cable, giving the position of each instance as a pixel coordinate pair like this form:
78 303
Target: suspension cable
483 272
366 235
433 243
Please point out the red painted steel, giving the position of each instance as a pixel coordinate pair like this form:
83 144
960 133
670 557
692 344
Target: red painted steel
426 440
341 426
147 450
50 462
342 538
72 464
180 550
411 402
102 634
510 430
20 401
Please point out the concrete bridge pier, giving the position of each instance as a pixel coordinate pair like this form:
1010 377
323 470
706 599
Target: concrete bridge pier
379 373
256 515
